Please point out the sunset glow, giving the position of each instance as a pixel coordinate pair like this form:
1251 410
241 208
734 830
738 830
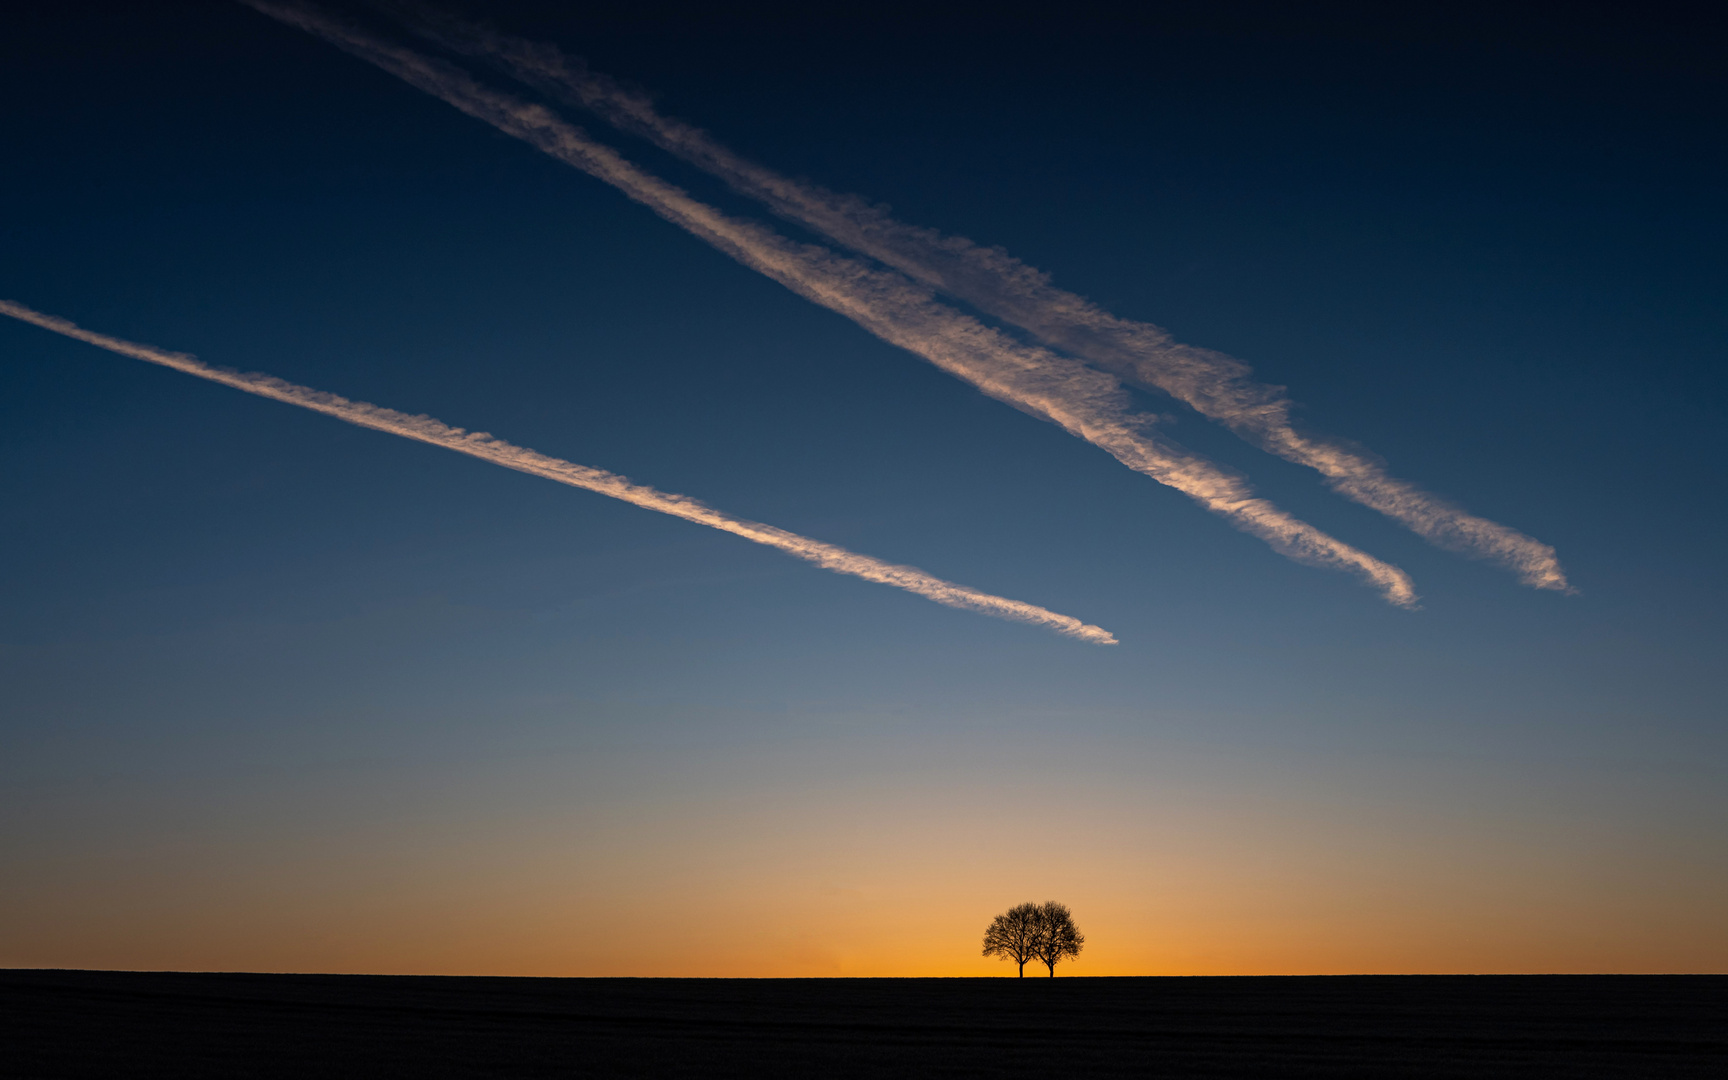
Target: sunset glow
1364 396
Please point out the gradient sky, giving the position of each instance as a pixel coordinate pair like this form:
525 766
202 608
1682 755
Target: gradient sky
277 693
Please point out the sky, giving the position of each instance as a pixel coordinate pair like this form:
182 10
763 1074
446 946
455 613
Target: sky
282 693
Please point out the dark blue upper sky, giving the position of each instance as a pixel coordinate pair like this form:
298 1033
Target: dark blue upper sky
1484 243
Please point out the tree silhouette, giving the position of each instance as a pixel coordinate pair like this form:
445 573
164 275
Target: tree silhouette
1055 936
1013 935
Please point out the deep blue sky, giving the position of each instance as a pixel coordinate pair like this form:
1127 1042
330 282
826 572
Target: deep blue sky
298 671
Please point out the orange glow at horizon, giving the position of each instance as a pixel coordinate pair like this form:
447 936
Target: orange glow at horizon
1190 874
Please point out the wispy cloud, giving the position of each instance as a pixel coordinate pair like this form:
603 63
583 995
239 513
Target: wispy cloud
1087 403
1214 384
487 448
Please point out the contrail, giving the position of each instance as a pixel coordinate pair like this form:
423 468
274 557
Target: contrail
1218 386
1089 404
487 448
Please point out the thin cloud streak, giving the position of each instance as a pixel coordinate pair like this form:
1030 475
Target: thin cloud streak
487 448
1216 385
1087 403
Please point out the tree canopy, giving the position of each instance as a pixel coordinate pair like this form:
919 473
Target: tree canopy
1012 935
1057 938
1043 932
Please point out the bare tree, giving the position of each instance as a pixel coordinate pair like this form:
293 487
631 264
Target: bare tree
1055 936
1013 935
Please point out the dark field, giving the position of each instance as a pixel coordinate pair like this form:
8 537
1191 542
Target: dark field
117 1024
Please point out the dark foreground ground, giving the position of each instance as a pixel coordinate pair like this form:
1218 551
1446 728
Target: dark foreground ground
119 1024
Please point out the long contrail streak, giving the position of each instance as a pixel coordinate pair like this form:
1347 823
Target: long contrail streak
487 448
1087 403
1218 386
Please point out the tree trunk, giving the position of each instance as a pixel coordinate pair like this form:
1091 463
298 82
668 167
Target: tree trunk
1022 969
